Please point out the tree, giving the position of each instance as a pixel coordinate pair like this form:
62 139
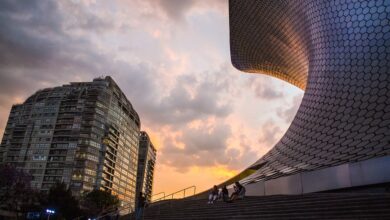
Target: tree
61 200
16 194
98 202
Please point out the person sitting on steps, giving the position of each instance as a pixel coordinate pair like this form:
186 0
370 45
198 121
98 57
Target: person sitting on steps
239 192
213 195
224 194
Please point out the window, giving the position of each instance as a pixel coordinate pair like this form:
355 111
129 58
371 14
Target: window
39 157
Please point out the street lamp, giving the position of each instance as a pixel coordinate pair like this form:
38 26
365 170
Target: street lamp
49 212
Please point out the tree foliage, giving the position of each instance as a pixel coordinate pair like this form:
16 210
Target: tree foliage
61 200
16 193
98 202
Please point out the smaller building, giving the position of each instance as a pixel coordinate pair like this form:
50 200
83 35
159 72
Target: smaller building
146 162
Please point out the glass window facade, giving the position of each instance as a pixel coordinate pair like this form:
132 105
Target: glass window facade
83 134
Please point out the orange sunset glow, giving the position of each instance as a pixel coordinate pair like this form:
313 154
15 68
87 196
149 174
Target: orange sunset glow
207 120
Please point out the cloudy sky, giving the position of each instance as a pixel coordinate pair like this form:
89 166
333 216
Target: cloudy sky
171 58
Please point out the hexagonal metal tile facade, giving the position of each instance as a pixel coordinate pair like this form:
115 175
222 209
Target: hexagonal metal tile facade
338 51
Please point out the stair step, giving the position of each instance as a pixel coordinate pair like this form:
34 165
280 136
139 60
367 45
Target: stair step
243 204
308 206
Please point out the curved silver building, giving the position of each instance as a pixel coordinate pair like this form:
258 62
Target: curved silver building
338 51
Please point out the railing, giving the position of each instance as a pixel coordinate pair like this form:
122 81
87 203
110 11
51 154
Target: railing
129 206
158 194
171 196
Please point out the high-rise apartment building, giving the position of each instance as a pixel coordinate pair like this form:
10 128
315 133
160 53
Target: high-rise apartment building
146 162
84 134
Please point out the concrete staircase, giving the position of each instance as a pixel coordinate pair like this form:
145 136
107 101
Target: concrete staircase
308 206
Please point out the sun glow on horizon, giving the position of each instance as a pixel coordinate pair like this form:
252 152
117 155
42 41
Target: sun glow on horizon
207 120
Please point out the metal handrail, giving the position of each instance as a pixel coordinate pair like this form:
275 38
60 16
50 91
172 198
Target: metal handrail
158 194
129 206
172 194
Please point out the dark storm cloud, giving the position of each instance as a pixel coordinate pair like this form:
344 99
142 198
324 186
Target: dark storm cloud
186 107
23 30
38 50
181 105
25 47
32 36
